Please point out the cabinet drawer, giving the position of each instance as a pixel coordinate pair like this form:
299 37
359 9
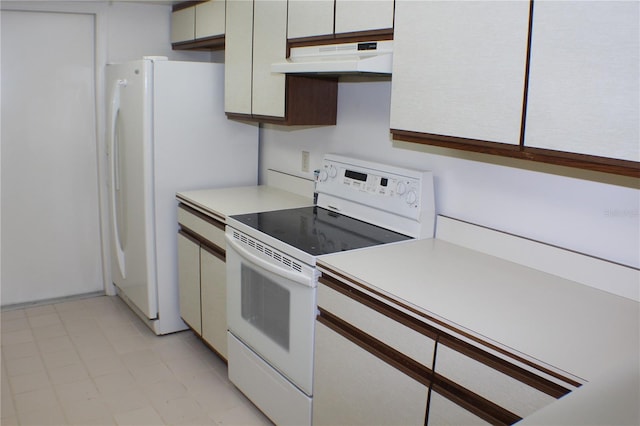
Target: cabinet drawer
405 340
183 25
207 227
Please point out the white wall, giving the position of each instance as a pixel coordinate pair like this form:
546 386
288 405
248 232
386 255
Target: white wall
588 212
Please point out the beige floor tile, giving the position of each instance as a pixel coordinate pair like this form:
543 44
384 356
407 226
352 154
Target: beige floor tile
88 412
39 310
53 360
243 415
44 320
12 314
30 382
55 344
104 365
16 337
126 400
10 421
115 382
83 390
162 391
20 350
153 373
141 417
7 409
68 374
15 324
25 365
49 331
179 410
53 417
37 400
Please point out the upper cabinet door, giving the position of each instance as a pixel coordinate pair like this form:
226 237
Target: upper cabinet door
459 68
210 18
363 15
308 18
269 46
183 25
583 81
238 56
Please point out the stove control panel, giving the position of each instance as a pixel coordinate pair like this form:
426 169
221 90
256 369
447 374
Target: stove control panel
367 190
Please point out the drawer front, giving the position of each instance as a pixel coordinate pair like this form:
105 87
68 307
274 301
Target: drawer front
208 228
398 336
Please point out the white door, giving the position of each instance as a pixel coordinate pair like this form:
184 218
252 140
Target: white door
50 216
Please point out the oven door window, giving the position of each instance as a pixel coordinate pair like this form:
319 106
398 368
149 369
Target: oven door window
266 305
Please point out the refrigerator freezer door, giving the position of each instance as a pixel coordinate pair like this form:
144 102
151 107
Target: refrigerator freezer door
133 239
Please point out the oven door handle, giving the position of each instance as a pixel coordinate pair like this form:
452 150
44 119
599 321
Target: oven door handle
298 277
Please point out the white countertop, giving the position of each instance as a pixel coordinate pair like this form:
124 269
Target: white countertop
223 202
579 329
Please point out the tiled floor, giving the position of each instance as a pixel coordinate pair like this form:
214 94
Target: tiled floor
93 362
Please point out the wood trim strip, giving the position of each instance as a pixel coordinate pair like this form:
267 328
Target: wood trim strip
568 159
214 250
208 43
527 67
218 224
186 4
540 383
461 396
354 37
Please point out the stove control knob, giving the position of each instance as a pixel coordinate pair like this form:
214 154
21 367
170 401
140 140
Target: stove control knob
412 197
323 176
333 172
401 188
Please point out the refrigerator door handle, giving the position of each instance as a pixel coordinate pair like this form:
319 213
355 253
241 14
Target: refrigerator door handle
114 150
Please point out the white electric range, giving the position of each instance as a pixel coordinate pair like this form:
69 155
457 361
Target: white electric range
272 279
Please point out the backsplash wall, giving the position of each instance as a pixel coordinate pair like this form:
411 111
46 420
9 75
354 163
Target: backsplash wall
563 207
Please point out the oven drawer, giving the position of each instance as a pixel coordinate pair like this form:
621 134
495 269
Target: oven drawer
282 402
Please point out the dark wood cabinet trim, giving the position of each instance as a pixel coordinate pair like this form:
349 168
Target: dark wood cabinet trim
186 4
354 37
561 158
203 242
523 375
208 43
214 250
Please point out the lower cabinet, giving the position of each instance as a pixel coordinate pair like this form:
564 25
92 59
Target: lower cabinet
354 387
202 277
378 362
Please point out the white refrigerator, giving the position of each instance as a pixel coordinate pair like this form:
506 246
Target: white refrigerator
166 132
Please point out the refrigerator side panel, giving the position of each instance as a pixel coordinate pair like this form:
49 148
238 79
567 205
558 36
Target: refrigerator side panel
195 147
131 180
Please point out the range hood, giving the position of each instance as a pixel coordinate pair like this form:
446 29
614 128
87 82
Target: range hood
365 57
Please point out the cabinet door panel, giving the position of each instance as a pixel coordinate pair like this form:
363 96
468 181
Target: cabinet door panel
210 17
238 56
491 384
363 15
459 67
307 18
269 46
214 300
189 281
583 82
352 386
183 25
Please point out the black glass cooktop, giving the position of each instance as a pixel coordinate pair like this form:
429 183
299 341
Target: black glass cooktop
318 231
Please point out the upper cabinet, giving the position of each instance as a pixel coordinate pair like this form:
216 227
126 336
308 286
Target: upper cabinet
547 81
458 69
339 18
584 79
198 25
256 38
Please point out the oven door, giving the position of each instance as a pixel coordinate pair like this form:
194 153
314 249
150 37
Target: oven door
271 307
